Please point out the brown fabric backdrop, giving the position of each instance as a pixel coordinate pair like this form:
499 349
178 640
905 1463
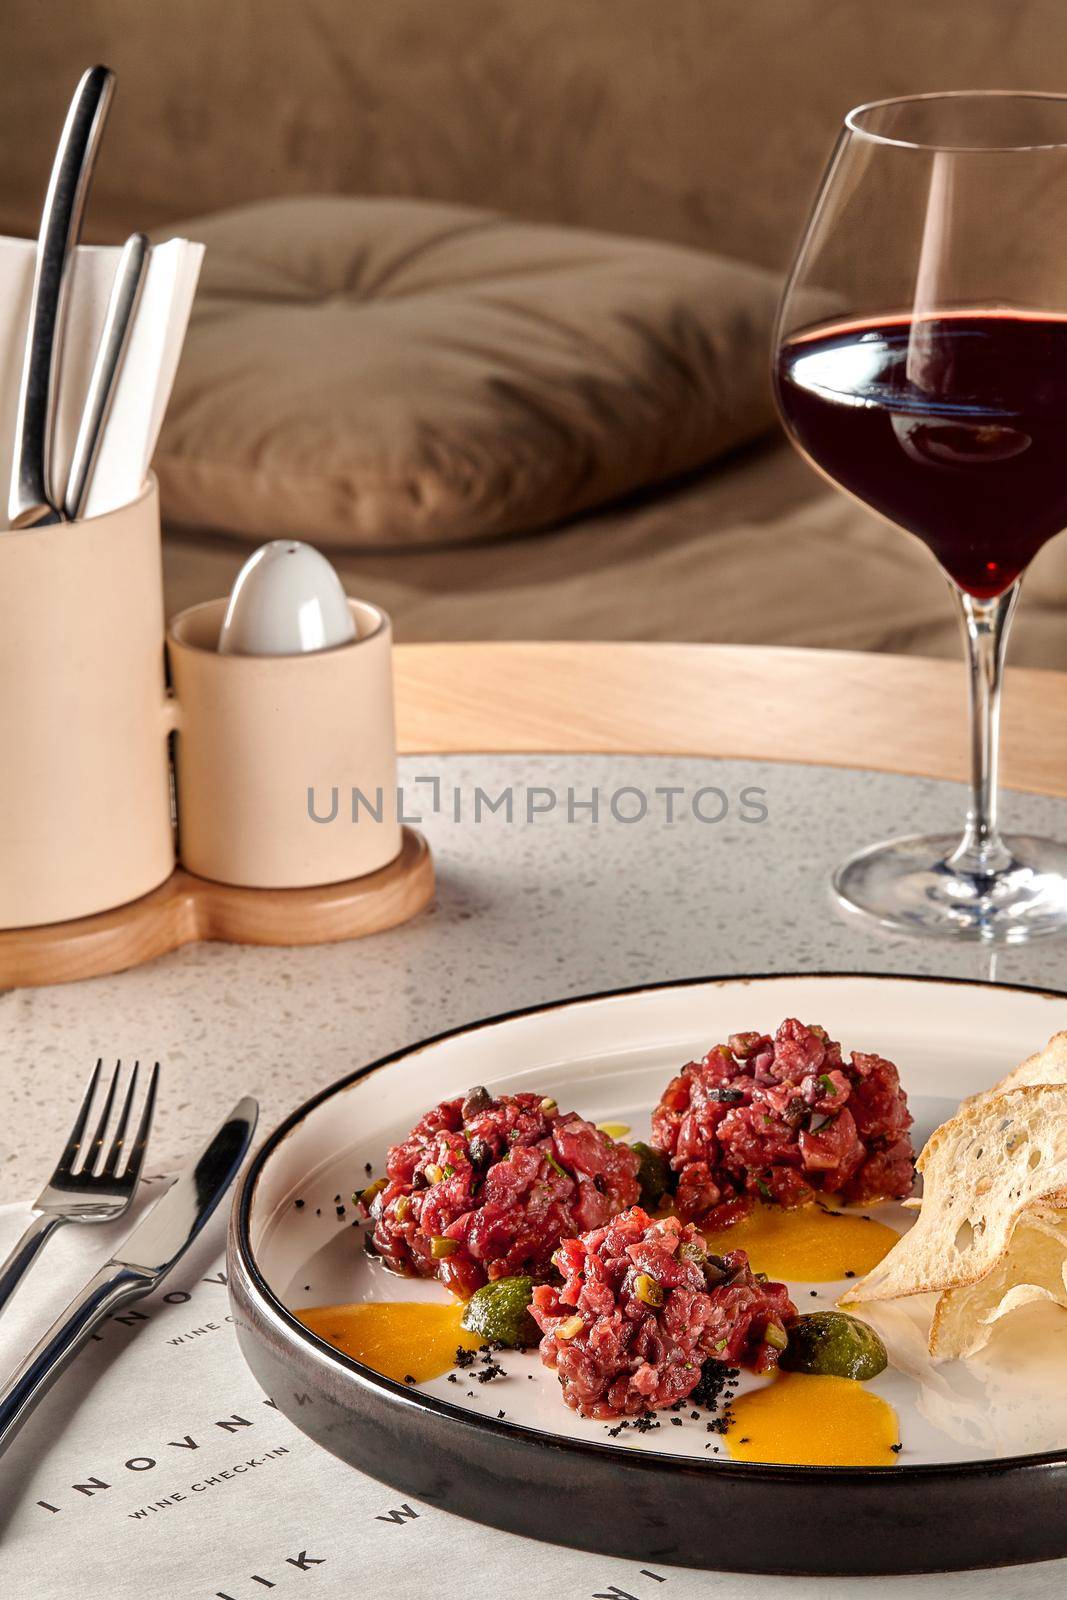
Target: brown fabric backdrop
701 121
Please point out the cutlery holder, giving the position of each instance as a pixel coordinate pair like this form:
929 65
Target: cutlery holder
270 750
85 813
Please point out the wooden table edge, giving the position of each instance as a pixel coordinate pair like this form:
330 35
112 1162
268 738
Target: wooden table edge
898 714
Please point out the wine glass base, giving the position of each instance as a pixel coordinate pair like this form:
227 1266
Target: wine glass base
908 886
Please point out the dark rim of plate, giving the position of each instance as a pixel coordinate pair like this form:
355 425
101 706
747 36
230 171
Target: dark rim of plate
590 1449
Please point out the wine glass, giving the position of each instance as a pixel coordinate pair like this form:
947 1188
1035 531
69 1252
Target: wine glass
921 365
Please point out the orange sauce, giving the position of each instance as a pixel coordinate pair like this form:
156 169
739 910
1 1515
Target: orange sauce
809 1245
398 1338
813 1422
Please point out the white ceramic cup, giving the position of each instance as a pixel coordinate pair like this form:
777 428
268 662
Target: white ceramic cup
85 815
286 765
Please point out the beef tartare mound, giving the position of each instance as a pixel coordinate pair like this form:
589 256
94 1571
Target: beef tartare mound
784 1119
643 1306
485 1187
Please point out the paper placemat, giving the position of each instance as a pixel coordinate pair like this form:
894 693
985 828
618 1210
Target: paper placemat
158 1468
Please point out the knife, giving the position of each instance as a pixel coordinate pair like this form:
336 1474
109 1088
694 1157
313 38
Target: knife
143 1259
111 352
31 503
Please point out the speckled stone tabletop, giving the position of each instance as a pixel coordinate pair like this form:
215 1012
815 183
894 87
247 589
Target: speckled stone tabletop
547 905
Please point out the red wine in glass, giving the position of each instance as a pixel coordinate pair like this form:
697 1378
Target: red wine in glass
921 365
952 425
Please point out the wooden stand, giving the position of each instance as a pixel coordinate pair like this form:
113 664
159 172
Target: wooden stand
186 909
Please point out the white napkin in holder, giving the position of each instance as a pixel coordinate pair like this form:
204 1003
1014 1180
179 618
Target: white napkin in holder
147 374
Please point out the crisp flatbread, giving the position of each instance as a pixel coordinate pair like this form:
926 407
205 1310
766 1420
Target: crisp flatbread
981 1171
1047 1066
1034 1267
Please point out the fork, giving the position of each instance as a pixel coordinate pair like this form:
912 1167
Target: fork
86 1195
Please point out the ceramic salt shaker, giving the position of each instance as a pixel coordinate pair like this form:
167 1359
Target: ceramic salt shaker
287 600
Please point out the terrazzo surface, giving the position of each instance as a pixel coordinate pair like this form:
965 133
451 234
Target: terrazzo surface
527 911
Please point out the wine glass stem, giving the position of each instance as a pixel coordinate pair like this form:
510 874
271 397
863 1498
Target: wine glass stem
982 852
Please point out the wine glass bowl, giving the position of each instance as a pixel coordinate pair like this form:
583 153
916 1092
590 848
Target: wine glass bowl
921 366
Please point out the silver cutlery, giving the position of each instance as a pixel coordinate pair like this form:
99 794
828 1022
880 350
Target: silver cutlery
77 1191
31 503
111 351
145 1256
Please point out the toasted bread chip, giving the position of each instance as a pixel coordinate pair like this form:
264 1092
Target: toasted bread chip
1034 1267
982 1170
1047 1066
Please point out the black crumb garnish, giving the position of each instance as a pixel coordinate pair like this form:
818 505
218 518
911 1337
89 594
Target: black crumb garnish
499 1415
464 1358
299 1204
491 1370
676 1422
318 1211
694 1416
452 1378
368 1169
850 1273
642 1424
307 1288
340 1213
896 1448
336 1199
408 1378
712 1386
744 1439
814 1293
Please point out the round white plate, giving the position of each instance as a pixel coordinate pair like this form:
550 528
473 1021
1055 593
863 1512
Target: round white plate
609 1059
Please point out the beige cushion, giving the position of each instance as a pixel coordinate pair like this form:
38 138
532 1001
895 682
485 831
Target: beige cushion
394 372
